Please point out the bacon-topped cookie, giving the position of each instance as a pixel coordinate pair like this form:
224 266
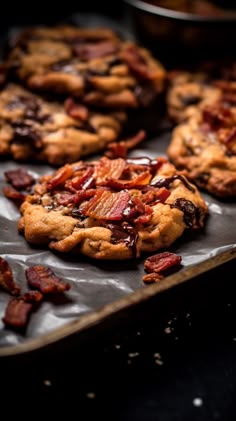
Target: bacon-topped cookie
92 64
189 92
33 128
112 208
204 148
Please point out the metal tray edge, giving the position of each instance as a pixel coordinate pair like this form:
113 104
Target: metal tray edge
93 318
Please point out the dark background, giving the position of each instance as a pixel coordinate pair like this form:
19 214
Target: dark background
33 12
149 363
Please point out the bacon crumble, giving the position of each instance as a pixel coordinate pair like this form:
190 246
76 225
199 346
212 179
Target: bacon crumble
45 280
6 278
19 178
156 265
120 149
18 309
17 313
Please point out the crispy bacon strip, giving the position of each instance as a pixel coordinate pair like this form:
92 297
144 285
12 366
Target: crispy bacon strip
161 261
82 195
6 278
120 149
106 205
230 138
13 194
218 116
155 195
45 280
137 182
60 176
75 110
228 89
84 181
157 264
136 62
17 313
108 168
20 179
64 198
99 49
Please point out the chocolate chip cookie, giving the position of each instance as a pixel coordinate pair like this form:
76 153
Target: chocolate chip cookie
112 209
32 127
93 65
189 92
205 149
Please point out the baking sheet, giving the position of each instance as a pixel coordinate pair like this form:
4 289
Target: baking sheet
96 284
100 286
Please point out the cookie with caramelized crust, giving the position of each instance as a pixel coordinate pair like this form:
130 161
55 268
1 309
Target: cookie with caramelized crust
32 127
204 148
92 64
112 209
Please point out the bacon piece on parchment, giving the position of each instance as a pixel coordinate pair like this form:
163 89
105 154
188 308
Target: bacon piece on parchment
19 178
45 280
18 309
157 264
6 278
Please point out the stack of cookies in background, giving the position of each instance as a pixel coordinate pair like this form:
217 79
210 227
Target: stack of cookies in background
68 91
203 144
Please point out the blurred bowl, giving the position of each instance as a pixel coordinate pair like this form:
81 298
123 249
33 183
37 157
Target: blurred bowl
177 35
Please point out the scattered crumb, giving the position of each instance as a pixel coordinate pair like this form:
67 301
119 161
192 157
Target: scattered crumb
47 382
187 315
158 358
229 305
90 395
197 402
128 361
234 339
138 333
159 362
117 346
167 330
133 354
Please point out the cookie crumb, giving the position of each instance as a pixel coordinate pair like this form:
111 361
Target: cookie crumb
197 402
158 358
133 354
47 382
90 395
167 330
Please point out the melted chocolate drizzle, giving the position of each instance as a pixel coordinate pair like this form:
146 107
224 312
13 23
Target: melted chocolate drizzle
165 182
124 233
